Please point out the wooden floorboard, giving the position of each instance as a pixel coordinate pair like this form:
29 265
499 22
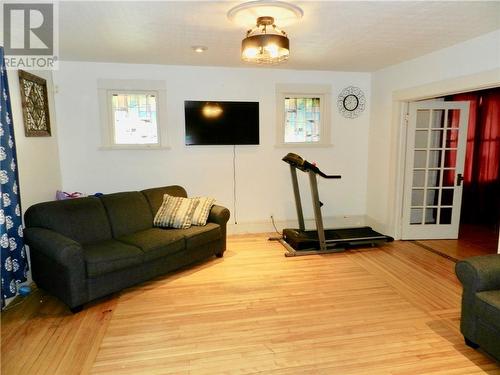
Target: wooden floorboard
390 310
473 240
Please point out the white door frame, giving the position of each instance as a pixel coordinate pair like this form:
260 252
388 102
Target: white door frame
400 103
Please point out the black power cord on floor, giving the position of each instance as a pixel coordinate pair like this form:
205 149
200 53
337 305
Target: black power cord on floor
276 230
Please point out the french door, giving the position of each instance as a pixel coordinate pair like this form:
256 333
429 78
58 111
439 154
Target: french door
435 155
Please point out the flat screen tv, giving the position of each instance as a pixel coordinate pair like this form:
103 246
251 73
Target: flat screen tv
221 123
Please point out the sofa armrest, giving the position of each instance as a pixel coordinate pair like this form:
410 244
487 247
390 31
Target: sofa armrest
55 246
479 273
58 265
219 215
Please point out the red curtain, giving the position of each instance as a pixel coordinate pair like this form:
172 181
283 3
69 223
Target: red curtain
488 150
481 194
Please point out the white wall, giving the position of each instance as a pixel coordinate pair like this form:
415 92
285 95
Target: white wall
38 157
263 181
465 66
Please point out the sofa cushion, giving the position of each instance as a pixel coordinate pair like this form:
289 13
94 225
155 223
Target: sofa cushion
156 242
488 307
128 212
109 256
175 212
84 220
197 236
202 211
155 196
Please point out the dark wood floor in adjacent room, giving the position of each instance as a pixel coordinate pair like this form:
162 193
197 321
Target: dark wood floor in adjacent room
391 310
473 240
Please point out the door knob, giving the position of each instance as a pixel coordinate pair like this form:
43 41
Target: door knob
460 178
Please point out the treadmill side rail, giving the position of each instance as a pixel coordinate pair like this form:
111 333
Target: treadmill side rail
296 194
317 210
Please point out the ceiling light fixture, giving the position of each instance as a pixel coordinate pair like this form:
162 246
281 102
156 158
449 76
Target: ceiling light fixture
265 44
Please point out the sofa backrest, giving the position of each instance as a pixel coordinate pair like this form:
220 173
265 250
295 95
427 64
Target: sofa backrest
90 219
128 212
84 220
155 195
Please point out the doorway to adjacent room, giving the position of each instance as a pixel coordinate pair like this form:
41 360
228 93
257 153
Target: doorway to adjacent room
476 177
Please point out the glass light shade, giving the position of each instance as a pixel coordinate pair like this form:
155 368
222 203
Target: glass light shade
265 48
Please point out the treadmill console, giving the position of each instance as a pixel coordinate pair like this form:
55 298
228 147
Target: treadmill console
293 159
296 161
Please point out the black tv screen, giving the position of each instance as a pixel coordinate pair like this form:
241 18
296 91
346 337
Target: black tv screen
221 123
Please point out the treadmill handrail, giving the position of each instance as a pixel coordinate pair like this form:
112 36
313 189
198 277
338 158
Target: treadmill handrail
296 161
329 175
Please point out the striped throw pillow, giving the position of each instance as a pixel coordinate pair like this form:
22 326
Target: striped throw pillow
202 211
175 212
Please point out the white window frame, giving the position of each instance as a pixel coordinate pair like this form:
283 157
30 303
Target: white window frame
323 92
106 89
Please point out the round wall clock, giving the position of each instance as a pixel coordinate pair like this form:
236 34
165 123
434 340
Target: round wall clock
351 102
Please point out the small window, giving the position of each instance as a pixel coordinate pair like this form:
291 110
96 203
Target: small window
303 115
302 119
132 114
134 118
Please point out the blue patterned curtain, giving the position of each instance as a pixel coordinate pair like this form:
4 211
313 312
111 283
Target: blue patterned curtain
14 264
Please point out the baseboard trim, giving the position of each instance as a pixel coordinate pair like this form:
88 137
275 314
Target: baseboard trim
266 226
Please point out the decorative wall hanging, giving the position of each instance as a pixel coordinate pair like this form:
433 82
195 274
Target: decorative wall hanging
351 102
35 105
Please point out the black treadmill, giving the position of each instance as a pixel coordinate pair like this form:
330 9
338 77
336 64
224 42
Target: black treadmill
304 242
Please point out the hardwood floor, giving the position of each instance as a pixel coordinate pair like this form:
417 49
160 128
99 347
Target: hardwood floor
391 310
472 240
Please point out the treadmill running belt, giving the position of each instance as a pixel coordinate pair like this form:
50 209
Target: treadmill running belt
343 237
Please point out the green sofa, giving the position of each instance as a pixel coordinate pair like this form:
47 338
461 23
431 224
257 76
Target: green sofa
82 249
480 321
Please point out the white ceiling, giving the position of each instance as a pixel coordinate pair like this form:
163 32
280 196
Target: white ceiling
332 35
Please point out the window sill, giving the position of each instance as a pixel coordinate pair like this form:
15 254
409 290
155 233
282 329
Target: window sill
306 145
133 147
